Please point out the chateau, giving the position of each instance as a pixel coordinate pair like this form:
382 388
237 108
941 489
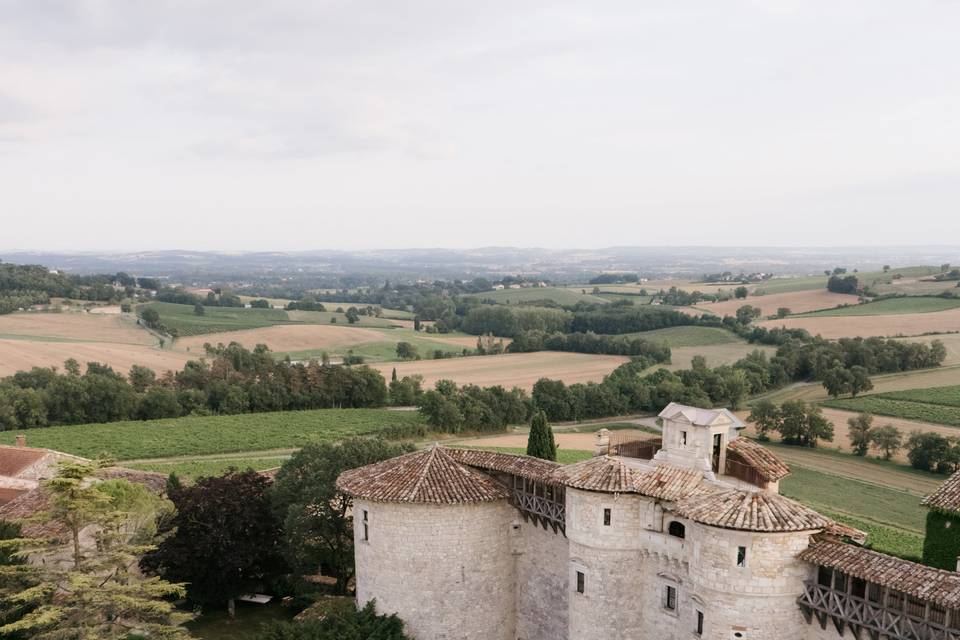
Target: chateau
680 537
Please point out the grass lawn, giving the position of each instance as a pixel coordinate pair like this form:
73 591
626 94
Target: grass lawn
791 285
193 469
199 435
866 501
250 622
890 540
938 405
890 306
688 336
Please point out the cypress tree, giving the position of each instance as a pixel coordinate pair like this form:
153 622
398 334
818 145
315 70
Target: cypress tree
393 378
540 442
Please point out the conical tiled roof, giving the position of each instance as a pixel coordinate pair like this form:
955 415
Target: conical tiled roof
750 511
947 497
430 476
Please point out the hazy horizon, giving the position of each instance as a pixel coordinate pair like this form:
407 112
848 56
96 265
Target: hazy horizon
301 125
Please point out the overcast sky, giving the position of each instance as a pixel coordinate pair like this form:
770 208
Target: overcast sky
233 124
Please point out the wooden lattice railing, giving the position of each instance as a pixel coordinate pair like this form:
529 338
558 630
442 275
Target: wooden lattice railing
630 446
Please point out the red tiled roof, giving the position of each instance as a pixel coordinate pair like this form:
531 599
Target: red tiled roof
750 511
947 497
601 473
765 462
668 482
431 476
523 466
13 460
926 583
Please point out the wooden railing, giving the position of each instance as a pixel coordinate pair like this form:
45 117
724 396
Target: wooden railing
631 446
545 504
746 473
878 614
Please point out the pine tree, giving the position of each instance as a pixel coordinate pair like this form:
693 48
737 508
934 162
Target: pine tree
540 442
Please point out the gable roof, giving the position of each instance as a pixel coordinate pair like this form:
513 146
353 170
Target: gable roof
518 465
756 456
431 476
947 497
926 583
13 460
760 511
698 416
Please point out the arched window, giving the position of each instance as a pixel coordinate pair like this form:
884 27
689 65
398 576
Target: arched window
677 530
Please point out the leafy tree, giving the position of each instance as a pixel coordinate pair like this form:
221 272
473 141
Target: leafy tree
141 377
837 380
859 380
927 451
406 392
859 433
317 518
843 284
783 312
747 314
223 540
158 402
766 418
353 316
740 293
540 442
99 594
353 624
887 439
198 310
407 351
803 425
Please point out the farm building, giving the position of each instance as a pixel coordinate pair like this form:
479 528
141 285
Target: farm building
685 536
22 468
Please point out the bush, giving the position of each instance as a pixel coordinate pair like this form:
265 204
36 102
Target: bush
941 547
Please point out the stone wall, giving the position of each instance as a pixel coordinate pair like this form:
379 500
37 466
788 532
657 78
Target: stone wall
447 570
542 560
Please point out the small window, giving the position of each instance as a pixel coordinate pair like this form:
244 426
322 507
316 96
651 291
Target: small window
683 438
670 599
606 517
366 525
677 530
581 582
699 628
741 556
825 576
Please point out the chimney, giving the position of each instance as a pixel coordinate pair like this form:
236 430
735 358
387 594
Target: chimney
21 441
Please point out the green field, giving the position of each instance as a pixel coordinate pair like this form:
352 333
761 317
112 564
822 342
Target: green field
182 319
790 285
192 469
866 501
199 435
890 306
939 405
885 539
560 295
688 336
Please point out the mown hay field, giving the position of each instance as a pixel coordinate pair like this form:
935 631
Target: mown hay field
796 301
73 326
511 369
201 435
899 324
688 336
287 337
891 306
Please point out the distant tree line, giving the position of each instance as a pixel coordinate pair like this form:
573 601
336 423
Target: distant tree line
449 408
589 342
22 286
215 298
233 380
614 278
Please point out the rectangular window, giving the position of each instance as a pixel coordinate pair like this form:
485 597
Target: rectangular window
670 599
683 438
581 582
741 556
699 629
606 517
366 526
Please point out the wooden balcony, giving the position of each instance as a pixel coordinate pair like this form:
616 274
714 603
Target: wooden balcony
630 446
543 503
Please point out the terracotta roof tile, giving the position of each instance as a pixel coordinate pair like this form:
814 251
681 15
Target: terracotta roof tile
668 482
947 497
431 476
13 460
926 583
523 466
750 511
765 462
601 473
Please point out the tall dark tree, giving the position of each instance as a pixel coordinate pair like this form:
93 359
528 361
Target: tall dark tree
317 518
225 538
540 442
859 433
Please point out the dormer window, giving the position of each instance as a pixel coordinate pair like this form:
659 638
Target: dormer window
677 530
683 438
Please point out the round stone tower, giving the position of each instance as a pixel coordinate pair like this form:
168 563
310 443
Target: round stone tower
433 545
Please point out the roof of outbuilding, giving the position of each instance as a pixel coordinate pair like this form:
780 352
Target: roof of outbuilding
430 476
765 462
760 511
947 497
13 460
926 583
